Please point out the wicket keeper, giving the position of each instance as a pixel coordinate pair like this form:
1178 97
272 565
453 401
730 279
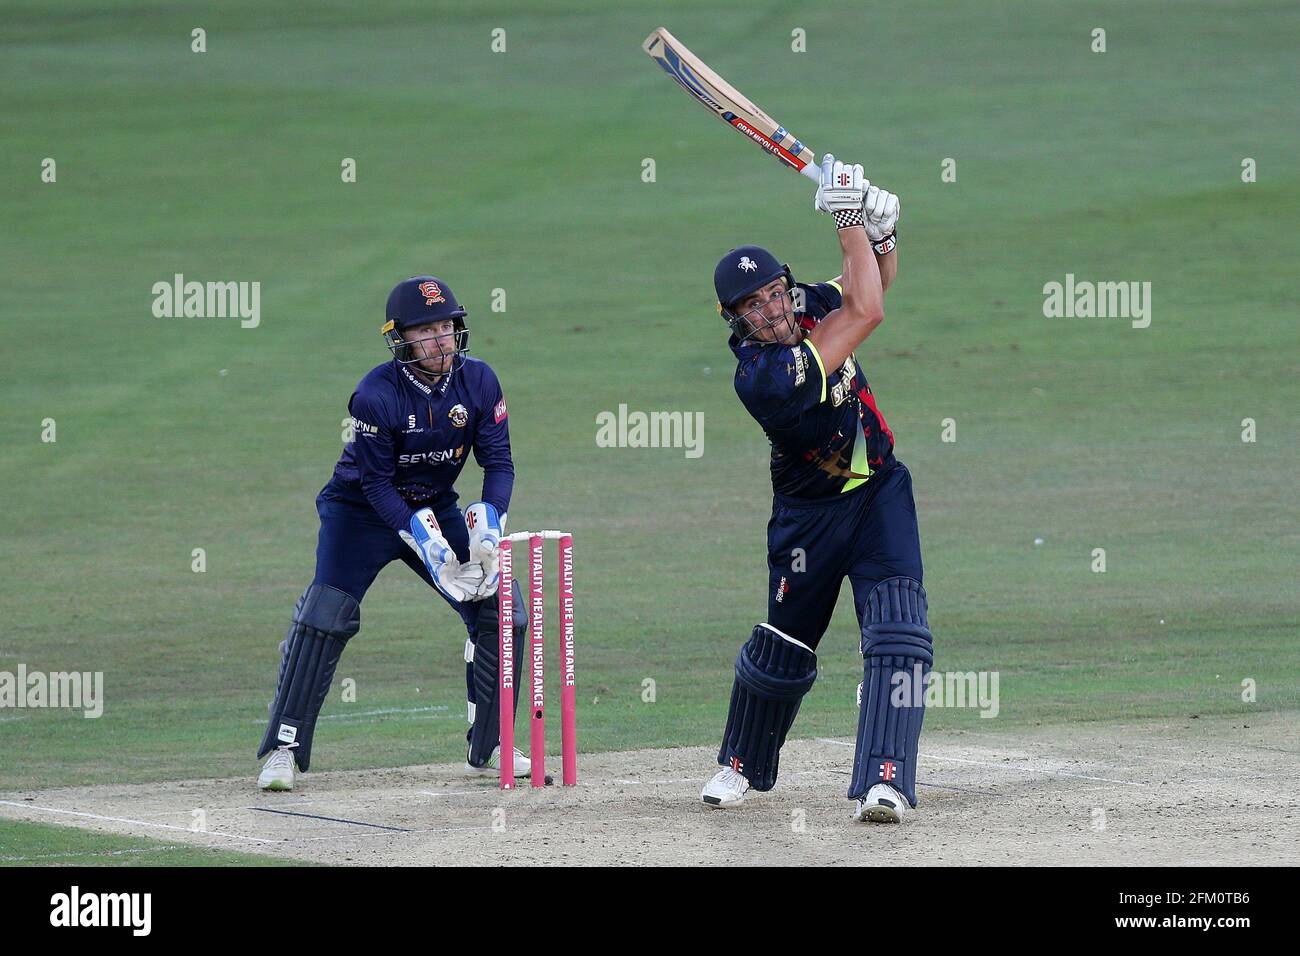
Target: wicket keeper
392 497
842 505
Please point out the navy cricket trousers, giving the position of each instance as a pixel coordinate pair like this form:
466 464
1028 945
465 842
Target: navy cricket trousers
355 544
868 534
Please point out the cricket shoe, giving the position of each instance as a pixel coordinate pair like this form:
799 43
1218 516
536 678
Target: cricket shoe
726 789
523 766
882 804
277 772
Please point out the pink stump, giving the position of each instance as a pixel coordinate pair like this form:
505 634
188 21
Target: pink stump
568 690
506 667
537 651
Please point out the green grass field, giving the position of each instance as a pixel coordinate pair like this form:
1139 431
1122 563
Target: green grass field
35 844
522 171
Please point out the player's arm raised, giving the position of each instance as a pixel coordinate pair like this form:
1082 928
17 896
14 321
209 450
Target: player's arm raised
880 208
888 264
841 194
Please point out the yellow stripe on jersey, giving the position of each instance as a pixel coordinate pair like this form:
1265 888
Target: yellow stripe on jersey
820 366
860 465
838 288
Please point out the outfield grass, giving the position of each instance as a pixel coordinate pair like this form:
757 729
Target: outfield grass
38 844
522 171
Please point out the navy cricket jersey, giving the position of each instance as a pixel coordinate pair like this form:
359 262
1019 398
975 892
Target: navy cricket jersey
412 439
827 435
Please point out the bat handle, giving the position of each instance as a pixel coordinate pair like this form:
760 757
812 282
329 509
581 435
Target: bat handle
813 172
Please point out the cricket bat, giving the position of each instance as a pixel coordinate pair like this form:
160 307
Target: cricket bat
727 103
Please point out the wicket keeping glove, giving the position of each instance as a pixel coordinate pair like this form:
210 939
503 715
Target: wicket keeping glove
457 581
841 191
881 211
486 527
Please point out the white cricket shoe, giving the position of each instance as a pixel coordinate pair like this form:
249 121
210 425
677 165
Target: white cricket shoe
523 766
277 772
726 789
882 804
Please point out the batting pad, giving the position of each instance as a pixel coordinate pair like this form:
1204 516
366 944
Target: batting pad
773 672
897 650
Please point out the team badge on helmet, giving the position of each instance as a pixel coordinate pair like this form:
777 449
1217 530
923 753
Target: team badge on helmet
421 300
741 272
459 416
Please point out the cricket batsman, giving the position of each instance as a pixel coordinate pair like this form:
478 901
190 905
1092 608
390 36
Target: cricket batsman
842 506
392 497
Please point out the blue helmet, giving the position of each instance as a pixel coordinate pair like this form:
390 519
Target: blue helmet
419 301
741 272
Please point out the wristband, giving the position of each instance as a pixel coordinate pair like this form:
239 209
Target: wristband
885 246
848 218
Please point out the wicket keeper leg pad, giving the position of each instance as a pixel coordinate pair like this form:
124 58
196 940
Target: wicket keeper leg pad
485 731
773 672
896 640
490 607
323 620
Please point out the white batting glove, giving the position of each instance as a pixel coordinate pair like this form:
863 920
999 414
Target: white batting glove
881 211
841 192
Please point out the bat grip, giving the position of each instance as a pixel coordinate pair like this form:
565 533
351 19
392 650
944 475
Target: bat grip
813 172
